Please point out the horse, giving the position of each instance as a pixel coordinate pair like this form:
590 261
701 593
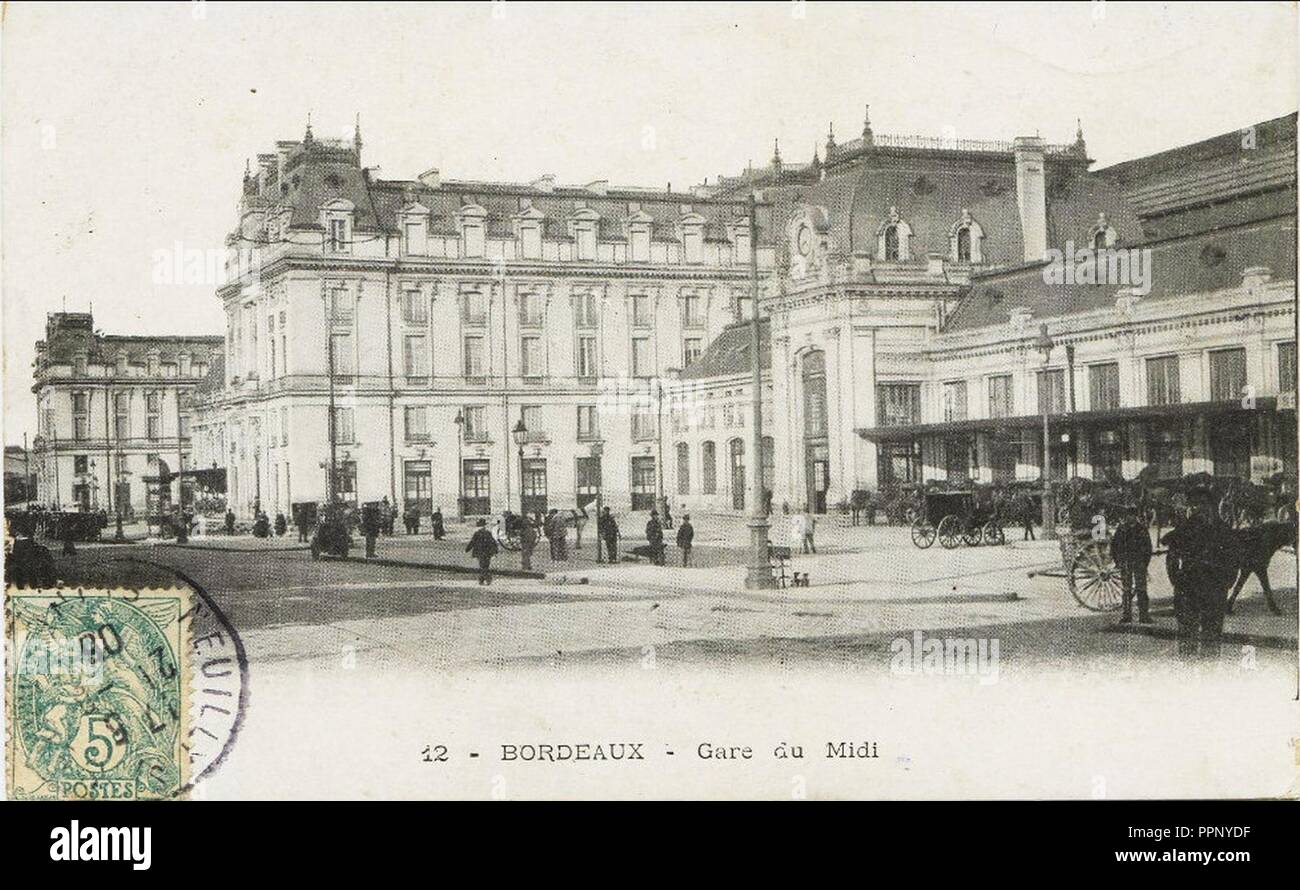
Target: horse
1258 544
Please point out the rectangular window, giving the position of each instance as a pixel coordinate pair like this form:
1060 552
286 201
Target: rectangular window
1162 381
284 426
340 304
474 364
642 360
1001 397
531 415
641 313
473 234
692 245
1227 374
584 310
692 347
640 244
1286 367
475 423
586 243
122 416
338 235
413 238
587 357
416 359
530 309
344 431
588 479
417 476
80 464
587 424
473 307
643 424
898 404
954 400
1103 386
1051 392
80 415
416 423
530 356
414 309
692 316
153 409
708 468
342 356
475 482
530 238
183 425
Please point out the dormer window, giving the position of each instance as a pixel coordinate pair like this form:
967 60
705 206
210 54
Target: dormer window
894 239
638 234
415 238
530 241
583 227
740 238
337 220
693 239
472 225
79 366
1102 235
967 239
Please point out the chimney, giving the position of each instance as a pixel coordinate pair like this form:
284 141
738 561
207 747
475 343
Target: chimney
431 177
1031 196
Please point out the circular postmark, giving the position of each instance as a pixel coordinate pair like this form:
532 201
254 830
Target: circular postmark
122 693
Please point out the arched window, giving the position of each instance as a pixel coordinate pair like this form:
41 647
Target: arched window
708 468
966 238
683 468
963 245
891 243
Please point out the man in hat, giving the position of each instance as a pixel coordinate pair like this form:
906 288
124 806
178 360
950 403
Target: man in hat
1202 563
686 538
1130 547
654 536
607 528
483 546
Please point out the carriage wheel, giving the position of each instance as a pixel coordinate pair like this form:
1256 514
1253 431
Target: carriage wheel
972 536
993 534
1094 580
949 532
923 534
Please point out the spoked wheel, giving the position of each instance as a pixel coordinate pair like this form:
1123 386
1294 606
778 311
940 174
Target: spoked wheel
993 534
950 532
1094 579
923 534
972 536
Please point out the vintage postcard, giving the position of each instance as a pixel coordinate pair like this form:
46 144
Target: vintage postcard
731 401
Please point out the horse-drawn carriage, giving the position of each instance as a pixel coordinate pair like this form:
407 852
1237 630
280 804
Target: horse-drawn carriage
958 516
902 502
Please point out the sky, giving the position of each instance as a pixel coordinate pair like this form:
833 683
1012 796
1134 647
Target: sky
125 128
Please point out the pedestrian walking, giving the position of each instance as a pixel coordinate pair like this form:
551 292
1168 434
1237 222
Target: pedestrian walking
809 528
686 538
303 523
1203 562
436 525
1026 511
1130 547
371 525
607 528
654 535
230 522
483 546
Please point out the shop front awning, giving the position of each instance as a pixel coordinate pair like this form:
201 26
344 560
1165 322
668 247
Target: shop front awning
213 479
1113 416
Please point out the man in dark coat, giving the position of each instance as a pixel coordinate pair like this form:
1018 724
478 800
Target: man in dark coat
483 546
230 522
654 535
1130 547
685 538
281 524
607 528
371 525
527 544
435 525
1203 562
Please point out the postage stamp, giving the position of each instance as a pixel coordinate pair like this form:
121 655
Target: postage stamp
97 693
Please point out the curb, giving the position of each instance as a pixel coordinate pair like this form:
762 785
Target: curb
437 567
299 549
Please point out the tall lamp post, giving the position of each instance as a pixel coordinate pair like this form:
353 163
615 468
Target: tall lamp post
1045 344
598 448
758 574
520 434
460 465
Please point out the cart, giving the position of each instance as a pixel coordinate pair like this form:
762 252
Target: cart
957 517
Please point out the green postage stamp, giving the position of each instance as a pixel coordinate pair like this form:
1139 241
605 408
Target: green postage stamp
97 693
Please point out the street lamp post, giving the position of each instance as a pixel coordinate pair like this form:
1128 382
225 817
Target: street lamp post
460 465
598 448
1045 344
758 574
521 435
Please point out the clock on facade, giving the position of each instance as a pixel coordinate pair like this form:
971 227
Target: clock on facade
804 240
